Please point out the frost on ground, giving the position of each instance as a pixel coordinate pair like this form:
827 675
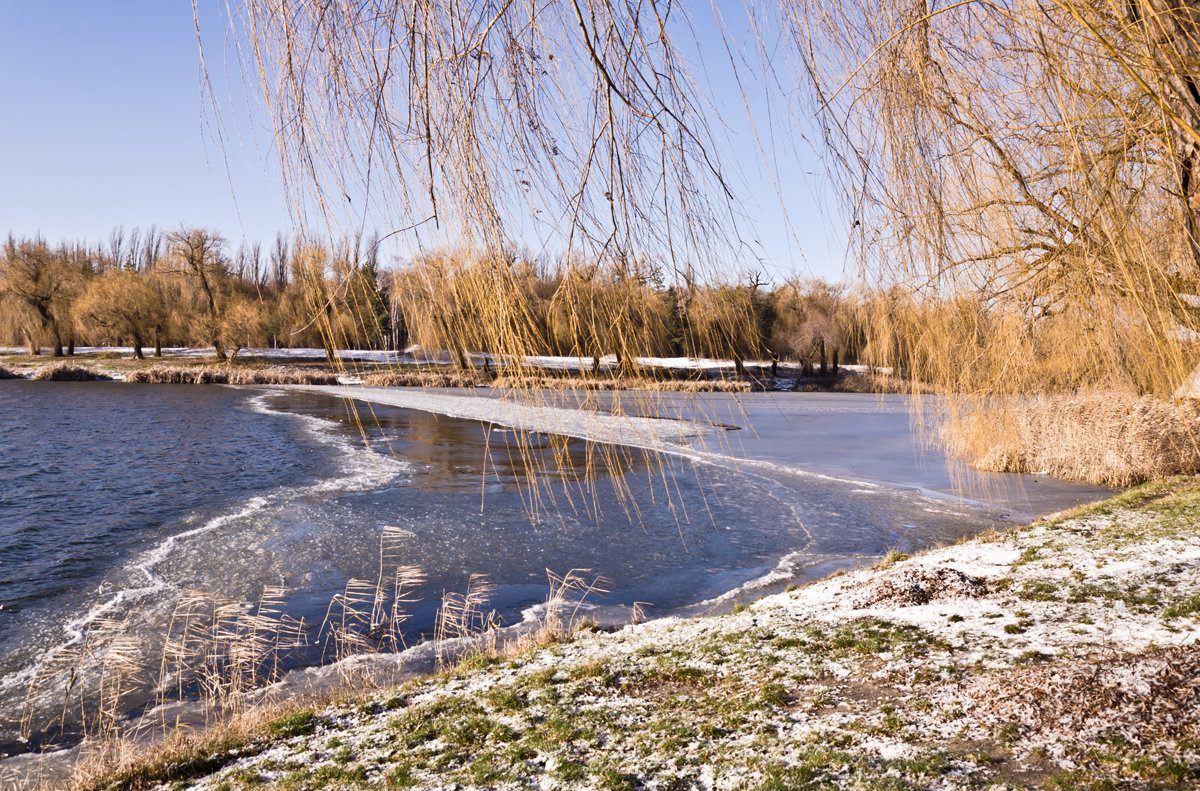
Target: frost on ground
1062 655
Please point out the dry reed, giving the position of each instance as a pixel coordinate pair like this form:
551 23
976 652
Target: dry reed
165 374
220 653
566 381
6 373
624 383
66 372
1104 438
427 378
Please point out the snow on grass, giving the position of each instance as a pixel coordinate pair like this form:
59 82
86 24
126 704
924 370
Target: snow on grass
1049 654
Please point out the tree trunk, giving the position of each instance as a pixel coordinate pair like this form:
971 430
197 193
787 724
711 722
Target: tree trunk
157 343
739 367
1186 188
137 348
71 345
625 362
34 347
835 361
220 349
824 368
58 347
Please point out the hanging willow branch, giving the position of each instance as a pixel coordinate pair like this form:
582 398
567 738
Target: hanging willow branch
1037 157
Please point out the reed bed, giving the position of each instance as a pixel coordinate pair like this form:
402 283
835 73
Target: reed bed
166 374
280 376
66 372
623 383
1104 438
470 378
221 654
427 378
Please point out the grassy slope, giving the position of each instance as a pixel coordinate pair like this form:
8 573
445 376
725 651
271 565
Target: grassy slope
1060 655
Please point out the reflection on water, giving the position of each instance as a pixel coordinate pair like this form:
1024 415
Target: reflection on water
464 457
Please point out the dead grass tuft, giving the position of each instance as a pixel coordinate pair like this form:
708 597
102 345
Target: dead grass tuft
1103 438
279 376
66 372
914 586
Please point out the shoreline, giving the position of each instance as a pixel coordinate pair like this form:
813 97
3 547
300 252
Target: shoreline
1050 654
414 369
476 405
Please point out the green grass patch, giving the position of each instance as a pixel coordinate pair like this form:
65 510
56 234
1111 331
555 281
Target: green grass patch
1187 607
300 723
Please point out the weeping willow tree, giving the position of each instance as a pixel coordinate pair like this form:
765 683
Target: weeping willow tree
1028 172
1037 156
474 126
1024 173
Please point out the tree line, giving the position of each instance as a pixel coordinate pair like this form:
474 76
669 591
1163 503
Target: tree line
188 287
185 288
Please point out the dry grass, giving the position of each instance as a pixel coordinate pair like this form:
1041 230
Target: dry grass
186 754
1105 438
280 376
5 373
66 372
1144 697
474 378
222 652
427 378
624 383
166 374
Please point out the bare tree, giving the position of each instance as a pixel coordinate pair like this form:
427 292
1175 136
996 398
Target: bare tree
197 253
151 249
279 263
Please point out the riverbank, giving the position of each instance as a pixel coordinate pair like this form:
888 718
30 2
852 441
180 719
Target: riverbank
1063 654
414 369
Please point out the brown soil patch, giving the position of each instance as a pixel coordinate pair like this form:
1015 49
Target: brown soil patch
910 586
1149 697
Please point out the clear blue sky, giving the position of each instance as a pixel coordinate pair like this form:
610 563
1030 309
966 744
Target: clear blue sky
103 123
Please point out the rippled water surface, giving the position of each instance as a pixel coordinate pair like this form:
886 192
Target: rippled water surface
120 504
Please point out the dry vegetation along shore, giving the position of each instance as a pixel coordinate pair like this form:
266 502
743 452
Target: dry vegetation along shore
1060 655
315 371
1103 438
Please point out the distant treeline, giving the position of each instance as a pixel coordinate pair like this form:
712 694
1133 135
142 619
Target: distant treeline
187 288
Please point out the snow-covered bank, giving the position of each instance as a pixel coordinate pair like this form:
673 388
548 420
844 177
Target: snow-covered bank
1064 654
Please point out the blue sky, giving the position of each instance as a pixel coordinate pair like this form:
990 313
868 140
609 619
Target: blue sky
105 124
